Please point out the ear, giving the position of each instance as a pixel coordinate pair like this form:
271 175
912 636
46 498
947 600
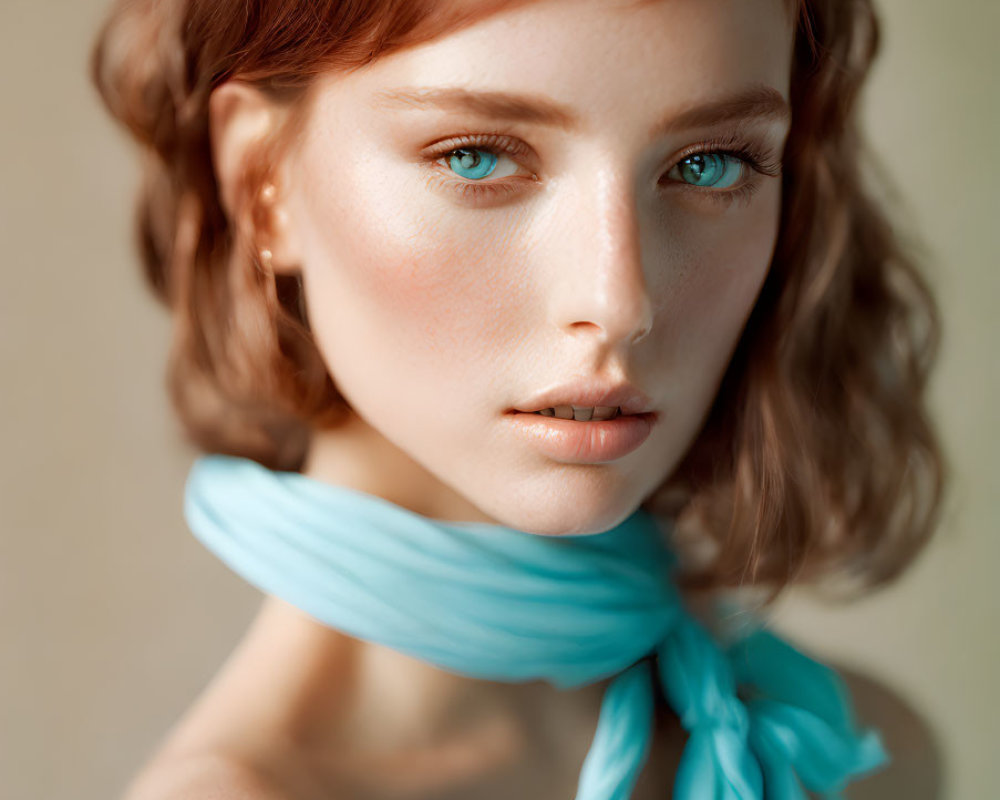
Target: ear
241 117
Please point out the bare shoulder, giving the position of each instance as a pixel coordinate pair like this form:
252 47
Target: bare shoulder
208 776
249 729
916 769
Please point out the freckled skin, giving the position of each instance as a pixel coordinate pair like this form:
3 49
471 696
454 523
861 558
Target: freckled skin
435 315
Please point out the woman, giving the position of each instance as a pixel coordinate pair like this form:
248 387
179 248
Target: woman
526 275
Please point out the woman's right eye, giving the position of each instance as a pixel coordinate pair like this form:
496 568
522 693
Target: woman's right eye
474 159
476 163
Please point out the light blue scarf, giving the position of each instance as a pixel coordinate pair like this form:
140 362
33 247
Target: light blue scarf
498 604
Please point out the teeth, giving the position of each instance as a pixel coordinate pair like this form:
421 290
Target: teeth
581 413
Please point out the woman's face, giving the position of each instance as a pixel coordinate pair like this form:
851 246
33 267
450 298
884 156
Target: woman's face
611 224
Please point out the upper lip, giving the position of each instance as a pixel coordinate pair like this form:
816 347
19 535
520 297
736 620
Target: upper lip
591 392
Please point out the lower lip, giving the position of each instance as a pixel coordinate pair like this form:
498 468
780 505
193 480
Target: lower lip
576 442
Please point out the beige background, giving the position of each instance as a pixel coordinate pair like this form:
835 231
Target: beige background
114 616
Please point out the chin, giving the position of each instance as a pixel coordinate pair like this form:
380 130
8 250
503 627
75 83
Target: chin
570 517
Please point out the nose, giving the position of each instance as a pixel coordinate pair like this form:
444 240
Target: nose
601 288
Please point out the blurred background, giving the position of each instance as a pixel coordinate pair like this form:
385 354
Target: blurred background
114 617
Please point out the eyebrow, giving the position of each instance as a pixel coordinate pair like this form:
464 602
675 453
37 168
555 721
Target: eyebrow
755 102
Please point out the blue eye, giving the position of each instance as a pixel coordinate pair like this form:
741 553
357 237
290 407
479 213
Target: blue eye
472 163
709 170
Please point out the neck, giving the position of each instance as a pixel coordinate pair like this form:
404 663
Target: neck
357 456
374 718
404 705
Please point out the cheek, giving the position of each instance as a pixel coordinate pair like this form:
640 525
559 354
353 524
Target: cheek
725 262
393 277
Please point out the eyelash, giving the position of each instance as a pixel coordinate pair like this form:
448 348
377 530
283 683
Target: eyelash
757 160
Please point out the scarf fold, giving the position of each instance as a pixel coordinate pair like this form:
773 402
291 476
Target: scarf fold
494 603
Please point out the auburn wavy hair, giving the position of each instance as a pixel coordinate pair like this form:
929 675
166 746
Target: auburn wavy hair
817 459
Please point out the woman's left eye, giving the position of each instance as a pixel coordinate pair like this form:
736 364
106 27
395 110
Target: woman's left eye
709 170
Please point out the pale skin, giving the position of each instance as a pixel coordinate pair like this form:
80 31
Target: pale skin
594 258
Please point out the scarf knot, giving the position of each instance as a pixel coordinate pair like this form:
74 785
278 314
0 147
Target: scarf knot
495 603
698 680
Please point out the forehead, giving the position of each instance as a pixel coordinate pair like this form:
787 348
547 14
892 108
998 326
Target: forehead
606 56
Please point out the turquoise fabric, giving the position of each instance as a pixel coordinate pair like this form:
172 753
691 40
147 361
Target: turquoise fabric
495 603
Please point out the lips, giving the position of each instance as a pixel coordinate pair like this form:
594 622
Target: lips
589 393
588 414
577 442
